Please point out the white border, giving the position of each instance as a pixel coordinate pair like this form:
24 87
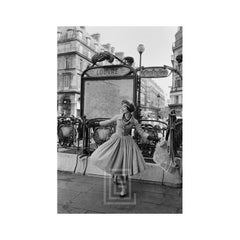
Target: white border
211 165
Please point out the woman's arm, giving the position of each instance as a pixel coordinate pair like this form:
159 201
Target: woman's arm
143 134
108 122
139 129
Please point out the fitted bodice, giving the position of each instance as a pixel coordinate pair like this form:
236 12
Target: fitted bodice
124 128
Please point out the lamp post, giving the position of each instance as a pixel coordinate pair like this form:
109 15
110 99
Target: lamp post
140 49
158 97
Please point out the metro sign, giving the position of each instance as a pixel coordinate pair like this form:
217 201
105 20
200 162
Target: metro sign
112 71
154 72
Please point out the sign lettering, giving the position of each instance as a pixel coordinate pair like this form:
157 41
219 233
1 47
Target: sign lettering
108 72
154 72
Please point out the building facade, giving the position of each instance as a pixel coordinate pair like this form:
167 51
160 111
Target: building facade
152 99
176 89
75 48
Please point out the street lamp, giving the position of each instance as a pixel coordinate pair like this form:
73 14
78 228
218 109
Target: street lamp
158 97
179 58
140 49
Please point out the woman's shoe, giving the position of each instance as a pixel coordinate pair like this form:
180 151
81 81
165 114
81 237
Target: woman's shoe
123 192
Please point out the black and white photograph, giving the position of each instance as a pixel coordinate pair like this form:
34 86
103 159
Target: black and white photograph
119 106
100 136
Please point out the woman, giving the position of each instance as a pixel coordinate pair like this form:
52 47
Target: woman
120 155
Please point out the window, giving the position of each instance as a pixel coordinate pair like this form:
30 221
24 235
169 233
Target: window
89 54
176 99
180 99
88 41
61 62
80 64
68 62
66 81
79 34
69 33
59 35
81 49
59 81
178 83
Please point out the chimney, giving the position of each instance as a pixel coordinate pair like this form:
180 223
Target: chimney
112 49
107 46
96 36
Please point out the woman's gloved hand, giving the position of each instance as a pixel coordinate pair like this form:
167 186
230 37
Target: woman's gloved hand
93 124
156 139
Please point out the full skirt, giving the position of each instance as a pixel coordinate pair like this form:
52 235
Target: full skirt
120 155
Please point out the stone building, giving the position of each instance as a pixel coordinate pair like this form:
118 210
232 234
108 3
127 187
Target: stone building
176 89
152 99
75 48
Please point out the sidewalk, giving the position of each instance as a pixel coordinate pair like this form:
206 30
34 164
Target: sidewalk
91 194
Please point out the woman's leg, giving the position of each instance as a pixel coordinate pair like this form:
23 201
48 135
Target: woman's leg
115 178
123 184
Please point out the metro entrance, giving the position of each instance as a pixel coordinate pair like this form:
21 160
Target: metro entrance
102 90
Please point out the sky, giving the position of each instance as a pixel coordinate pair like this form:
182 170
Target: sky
157 41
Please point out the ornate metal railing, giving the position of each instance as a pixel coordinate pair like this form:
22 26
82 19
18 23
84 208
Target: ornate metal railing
68 131
154 128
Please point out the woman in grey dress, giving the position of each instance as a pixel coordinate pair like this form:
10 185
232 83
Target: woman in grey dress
120 155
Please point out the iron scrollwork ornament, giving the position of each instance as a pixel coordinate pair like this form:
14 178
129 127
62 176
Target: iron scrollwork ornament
99 57
102 134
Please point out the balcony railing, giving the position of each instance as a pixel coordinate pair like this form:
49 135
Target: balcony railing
68 47
175 89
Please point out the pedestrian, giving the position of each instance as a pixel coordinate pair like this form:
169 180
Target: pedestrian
173 114
120 155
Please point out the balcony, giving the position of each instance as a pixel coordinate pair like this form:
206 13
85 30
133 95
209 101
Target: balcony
68 47
176 106
175 89
73 42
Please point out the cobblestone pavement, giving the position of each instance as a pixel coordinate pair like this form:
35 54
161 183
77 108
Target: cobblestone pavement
92 194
